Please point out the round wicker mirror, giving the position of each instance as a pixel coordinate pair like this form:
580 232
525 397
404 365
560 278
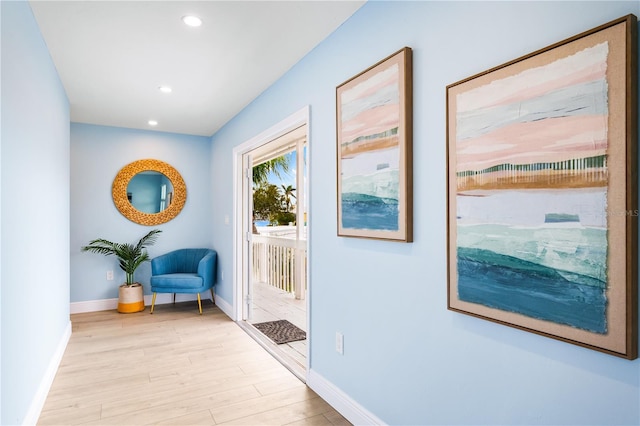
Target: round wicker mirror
174 202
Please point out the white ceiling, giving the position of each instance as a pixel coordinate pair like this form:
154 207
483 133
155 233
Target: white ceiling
113 55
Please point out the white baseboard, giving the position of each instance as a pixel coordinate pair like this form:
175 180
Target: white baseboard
225 307
93 306
109 304
47 380
350 409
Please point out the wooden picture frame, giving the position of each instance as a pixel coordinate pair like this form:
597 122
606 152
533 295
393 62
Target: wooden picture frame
374 135
542 191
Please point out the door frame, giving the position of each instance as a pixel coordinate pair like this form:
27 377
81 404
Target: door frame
240 267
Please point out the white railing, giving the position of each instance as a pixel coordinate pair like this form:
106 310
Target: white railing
281 263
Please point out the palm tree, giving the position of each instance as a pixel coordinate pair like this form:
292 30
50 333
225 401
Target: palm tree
262 170
288 191
129 256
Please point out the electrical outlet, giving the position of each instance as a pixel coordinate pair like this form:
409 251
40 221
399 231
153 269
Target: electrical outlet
109 275
339 343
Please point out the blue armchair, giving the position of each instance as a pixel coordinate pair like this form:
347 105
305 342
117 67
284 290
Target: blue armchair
189 270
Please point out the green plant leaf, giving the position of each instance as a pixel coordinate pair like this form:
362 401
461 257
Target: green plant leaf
130 256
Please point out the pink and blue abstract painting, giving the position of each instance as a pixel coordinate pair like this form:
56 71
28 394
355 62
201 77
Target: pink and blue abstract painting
370 161
531 191
372 143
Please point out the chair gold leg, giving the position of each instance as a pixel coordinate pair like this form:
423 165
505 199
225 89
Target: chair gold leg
153 301
213 300
199 304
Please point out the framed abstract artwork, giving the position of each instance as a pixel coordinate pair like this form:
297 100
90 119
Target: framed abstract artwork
542 191
374 146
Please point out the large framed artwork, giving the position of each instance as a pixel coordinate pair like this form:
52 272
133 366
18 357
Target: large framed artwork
542 191
374 138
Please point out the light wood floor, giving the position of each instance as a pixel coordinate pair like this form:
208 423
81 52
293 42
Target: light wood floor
175 367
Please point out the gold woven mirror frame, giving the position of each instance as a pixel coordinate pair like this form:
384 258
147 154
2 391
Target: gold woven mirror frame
119 192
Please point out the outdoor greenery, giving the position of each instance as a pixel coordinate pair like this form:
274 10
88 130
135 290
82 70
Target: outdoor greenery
276 166
271 202
287 193
130 256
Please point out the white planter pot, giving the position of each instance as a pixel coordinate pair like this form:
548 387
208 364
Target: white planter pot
130 298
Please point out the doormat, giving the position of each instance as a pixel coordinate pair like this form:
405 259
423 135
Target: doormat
281 331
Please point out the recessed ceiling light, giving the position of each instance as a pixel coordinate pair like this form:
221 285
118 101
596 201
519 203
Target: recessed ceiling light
164 89
153 123
192 21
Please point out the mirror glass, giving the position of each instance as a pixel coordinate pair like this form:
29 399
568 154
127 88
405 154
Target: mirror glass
150 191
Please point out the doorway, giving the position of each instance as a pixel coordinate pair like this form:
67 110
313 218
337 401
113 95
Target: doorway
270 280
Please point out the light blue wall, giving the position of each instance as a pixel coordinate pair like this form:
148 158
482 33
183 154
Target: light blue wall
407 359
97 154
35 211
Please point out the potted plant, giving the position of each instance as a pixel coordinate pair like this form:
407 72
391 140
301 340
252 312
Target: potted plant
130 294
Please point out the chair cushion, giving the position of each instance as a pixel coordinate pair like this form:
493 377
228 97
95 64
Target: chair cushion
176 283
